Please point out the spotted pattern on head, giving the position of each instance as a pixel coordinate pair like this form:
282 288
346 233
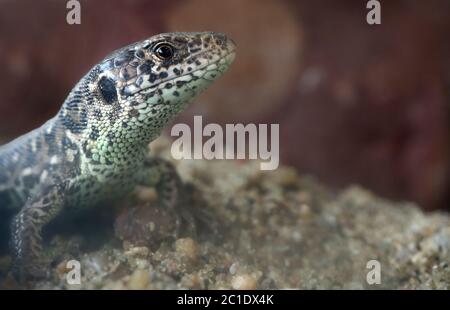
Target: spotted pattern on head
125 101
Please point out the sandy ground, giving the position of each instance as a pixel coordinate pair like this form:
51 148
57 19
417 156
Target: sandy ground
243 228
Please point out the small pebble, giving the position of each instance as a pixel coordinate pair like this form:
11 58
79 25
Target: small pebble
243 282
145 194
304 197
296 236
142 263
192 282
305 210
234 268
140 251
187 247
139 279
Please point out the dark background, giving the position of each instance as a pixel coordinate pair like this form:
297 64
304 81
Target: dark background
355 103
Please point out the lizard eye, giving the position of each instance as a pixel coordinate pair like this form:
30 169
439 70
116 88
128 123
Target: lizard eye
164 51
107 89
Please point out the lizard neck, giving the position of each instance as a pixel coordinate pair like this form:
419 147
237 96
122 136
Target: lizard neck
119 134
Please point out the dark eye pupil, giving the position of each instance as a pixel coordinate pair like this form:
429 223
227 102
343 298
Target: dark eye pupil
107 88
164 51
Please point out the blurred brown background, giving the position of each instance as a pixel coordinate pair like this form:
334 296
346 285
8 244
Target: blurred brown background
355 103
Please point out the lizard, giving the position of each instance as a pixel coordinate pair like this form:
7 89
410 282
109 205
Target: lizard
95 148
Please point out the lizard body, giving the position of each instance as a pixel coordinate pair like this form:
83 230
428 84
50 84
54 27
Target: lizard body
96 148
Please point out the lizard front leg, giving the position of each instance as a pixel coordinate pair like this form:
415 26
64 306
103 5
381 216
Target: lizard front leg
26 230
162 175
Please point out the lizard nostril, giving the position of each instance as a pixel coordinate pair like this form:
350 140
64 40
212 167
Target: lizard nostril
223 41
220 39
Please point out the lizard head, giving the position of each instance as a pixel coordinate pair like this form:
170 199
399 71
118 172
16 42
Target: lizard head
131 95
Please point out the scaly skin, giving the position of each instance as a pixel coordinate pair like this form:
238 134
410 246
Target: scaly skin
96 148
